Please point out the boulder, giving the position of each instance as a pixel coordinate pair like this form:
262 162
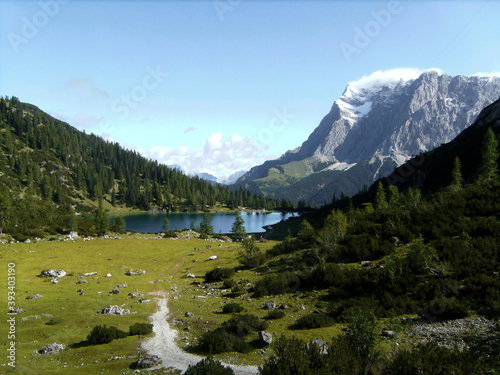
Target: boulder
213 257
191 276
34 296
82 282
16 310
266 337
320 344
149 361
114 310
135 273
269 305
387 333
89 274
189 315
122 286
134 295
52 348
108 275
54 273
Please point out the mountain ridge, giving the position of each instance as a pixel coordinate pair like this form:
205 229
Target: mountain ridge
376 120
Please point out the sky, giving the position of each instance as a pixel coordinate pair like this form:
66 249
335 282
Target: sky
218 86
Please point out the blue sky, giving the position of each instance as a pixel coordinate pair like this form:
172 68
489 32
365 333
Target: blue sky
218 86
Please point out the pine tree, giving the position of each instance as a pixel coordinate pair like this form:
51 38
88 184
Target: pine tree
489 164
166 223
456 174
380 199
101 220
238 227
206 224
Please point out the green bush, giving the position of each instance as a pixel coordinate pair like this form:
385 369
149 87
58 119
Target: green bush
140 329
314 321
231 308
219 274
171 234
209 366
229 283
243 325
104 335
221 341
53 322
274 314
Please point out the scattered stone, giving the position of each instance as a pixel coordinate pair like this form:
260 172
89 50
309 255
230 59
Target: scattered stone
115 291
147 362
82 282
89 274
114 310
143 301
266 337
365 263
108 275
34 296
122 286
52 348
54 281
27 241
321 345
16 310
135 273
213 257
134 295
189 315
269 305
191 276
54 273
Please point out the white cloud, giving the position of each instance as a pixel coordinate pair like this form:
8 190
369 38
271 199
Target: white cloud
87 86
391 76
219 157
489 75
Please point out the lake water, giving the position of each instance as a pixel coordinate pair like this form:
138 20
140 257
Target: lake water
221 222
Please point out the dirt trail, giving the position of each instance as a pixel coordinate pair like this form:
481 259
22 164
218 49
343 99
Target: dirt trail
163 343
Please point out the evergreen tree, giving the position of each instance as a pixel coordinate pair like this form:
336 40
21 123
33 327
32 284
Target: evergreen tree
5 209
238 227
206 224
101 220
380 199
119 224
113 197
456 174
165 224
489 163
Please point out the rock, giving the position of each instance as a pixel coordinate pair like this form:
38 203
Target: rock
122 286
266 337
52 348
189 315
269 305
115 291
135 273
133 295
386 333
16 310
89 274
27 241
108 275
54 273
213 257
147 362
282 307
82 282
191 276
365 263
73 235
143 301
34 296
114 310
54 281
321 345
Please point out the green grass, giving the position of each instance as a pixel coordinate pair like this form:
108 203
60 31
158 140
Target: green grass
166 263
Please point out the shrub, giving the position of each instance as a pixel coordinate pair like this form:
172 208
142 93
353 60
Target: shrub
219 274
243 325
209 366
229 283
230 308
53 322
274 314
314 321
220 341
104 335
140 329
171 234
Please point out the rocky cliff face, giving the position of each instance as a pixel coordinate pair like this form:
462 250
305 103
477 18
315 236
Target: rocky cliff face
380 121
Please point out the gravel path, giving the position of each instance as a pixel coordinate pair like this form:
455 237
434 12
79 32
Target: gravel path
163 343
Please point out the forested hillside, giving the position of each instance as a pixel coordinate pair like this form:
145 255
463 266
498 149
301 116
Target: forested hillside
49 169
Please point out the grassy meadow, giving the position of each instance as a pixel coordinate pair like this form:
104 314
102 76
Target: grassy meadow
166 262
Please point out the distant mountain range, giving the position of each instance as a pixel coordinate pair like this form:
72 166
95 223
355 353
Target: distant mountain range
210 177
379 122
